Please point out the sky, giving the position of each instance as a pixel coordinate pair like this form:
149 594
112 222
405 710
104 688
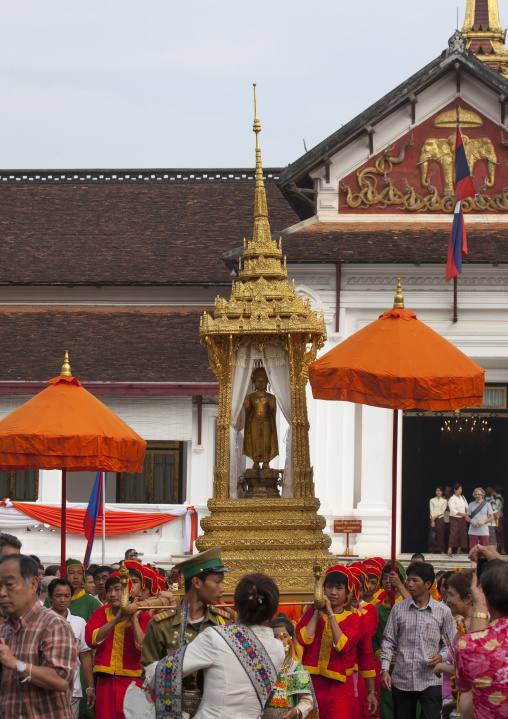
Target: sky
131 84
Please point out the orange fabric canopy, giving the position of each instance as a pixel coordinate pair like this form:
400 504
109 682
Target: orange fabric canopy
398 362
66 427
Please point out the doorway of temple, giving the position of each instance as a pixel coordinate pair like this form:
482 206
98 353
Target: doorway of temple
438 454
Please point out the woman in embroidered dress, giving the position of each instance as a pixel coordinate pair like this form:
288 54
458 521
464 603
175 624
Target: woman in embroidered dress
293 688
240 661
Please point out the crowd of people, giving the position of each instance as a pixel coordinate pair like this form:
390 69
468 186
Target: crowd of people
381 641
456 524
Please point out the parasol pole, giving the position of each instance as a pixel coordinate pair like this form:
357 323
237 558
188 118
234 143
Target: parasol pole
104 518
64 372
398 303
63 523
394 498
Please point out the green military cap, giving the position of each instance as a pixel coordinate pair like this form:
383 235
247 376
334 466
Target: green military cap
209 561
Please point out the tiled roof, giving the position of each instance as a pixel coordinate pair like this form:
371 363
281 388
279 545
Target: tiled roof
105 344
377 243
128 227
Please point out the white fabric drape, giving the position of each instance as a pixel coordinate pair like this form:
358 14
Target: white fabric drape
11 518
278 377
275 361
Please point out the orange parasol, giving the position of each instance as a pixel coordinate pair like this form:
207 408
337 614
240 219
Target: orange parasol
398 362
65 427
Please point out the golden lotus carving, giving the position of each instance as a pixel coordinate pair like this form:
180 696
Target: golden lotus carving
465 118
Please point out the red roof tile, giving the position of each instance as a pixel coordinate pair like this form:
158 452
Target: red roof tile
378 243
105 344
70 228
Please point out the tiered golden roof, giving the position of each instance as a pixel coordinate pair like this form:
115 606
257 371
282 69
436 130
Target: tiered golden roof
484 35
262 301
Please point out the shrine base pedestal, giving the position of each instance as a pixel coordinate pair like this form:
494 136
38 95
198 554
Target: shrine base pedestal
280 537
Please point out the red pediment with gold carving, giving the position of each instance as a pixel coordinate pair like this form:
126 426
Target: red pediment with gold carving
416 174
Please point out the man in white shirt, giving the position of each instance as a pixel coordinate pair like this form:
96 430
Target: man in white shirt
60 595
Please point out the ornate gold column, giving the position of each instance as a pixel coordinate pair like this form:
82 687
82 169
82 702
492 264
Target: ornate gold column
280 536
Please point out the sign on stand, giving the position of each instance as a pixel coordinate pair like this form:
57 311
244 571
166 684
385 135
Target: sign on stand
347 527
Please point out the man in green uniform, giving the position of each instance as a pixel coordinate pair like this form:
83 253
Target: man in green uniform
203 575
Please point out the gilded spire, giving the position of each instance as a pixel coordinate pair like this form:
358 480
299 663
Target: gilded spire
398 300
66 368
262 300
261 224
261 256
484 35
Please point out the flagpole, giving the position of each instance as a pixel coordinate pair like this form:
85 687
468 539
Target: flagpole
455 317
104 518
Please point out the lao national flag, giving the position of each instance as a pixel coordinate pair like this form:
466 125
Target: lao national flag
93 510
464 187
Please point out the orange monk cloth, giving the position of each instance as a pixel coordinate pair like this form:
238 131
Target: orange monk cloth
66 427
398 362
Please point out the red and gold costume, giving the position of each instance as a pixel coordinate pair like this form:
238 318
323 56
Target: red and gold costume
116 661
327 663
360 660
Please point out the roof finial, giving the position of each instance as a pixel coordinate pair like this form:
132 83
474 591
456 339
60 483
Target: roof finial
66 368
261 226
257 125
398 300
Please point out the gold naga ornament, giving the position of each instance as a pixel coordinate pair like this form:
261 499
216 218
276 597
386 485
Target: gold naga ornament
435 149
281 536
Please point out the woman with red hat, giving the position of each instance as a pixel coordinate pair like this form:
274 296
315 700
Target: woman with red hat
326 637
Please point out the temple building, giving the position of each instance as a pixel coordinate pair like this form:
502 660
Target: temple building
118 266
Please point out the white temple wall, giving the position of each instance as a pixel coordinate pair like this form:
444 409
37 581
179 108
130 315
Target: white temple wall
351 445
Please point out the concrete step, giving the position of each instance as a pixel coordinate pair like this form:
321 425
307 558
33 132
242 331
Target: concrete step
440 561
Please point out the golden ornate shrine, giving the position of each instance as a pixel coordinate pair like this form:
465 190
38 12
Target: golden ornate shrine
281 536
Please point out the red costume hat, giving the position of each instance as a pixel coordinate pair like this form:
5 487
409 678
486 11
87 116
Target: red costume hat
359 571
373 566
137 566
343 576
161 581
148 573
356 582
115 575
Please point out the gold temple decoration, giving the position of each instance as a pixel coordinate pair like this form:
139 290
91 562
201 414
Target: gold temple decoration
280 536
484 35
378 190
66 368
465 118
398 300
442 150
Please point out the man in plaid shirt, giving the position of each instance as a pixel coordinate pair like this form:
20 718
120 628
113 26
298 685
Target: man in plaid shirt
416 632
38 651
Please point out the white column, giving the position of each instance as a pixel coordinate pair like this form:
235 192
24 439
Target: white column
376 471
50 486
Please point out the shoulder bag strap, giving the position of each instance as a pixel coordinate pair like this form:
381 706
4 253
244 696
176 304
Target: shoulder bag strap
253 657
478 508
